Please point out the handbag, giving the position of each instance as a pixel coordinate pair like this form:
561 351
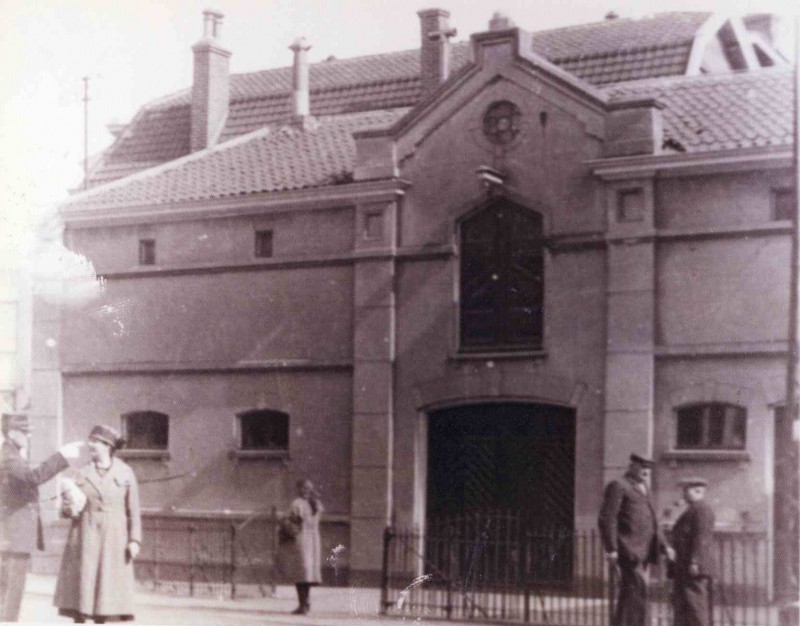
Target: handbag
288 528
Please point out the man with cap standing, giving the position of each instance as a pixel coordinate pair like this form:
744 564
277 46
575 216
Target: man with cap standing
693 538
20 522
631 538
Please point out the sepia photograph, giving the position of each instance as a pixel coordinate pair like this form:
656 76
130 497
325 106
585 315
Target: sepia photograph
375 312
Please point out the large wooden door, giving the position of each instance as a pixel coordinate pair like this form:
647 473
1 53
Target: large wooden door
510 457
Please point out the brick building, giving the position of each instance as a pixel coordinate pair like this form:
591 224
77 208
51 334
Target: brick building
468 276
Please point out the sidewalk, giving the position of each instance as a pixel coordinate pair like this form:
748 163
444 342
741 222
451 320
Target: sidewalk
331 606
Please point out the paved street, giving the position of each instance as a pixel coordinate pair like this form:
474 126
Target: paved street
331 607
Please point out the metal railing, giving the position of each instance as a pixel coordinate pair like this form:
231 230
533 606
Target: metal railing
496 567
208 555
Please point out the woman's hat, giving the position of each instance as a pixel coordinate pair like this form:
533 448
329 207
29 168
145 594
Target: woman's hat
694 481
108 435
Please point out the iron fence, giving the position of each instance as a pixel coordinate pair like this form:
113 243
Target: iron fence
497 567
208 555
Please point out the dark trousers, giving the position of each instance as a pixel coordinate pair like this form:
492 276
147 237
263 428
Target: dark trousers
632 599
304 594
13 570
690 600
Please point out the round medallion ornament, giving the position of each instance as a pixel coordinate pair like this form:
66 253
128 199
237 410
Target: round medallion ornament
501 122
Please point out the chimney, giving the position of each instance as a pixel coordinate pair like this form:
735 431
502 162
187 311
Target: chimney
434 57
211 86
300 105
500 21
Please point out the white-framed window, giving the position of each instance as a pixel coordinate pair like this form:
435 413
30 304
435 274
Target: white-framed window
711 426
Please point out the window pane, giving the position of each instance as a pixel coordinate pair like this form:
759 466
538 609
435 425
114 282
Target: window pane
146 430
716 426
784 205
264 430
735 427
501 278
690 427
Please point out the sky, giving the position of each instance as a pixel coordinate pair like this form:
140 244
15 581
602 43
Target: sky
134 51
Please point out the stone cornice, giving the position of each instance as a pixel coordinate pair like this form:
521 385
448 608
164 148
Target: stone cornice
688 164
319 198
205 367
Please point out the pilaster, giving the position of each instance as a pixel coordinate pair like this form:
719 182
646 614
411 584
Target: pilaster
630 364
373 383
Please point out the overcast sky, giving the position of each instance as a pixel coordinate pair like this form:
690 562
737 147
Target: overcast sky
137 50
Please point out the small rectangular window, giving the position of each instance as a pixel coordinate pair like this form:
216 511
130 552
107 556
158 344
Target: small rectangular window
630 205
263 244
146 430
264 430
715 426
147 252
784 205
373 225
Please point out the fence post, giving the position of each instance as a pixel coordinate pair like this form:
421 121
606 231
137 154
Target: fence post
387 542
274 535
524 558
448 551
233 560
192 531
156 553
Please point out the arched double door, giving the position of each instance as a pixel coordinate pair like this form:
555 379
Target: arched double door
501 489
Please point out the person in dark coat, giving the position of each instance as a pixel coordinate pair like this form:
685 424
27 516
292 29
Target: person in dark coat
631 539
20 521
96 576
300 549
693 540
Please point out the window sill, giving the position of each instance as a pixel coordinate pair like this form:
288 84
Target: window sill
155 455
259 455
675 456
497 356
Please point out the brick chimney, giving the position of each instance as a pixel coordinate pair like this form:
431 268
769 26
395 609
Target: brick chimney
434 59
211 86
300 104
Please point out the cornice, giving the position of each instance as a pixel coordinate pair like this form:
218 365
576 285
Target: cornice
687 164
318 198
206 367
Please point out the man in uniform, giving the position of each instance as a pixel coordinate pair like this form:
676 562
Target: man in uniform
631 538
20 523
693 539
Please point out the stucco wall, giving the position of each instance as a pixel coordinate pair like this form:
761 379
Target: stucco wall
202 410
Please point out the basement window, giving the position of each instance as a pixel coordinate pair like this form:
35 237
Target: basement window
263 249
146 434
263 430
147 252
711 426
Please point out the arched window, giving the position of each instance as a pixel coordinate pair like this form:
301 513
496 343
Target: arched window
502 279
711 425
146 430
263 429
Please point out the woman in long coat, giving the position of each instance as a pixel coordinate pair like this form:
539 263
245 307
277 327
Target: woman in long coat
96 577
301 557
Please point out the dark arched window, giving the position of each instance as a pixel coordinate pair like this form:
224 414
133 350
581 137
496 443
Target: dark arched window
263 429
146 430
502 279
711 425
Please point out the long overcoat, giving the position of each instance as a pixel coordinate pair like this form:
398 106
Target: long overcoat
628 523
301 560
96 576
20 523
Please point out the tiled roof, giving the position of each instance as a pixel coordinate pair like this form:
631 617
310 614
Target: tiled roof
270 159
721 112
600 53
